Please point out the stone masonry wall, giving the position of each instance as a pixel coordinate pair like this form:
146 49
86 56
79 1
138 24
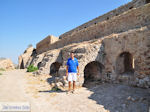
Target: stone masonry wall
44 44
131 19
46 60
106 51
135 43
107 16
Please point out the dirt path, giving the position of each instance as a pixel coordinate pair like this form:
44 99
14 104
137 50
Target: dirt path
18 86
11 86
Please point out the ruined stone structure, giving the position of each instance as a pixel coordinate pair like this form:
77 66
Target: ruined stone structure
45 43
114 47
6 64
26 58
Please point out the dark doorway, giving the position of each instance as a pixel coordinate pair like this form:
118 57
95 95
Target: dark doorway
125 63
22 65
147 1
92 73
54 68
39 65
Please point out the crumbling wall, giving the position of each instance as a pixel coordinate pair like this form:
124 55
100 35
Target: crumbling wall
134 43
37 60
106 52
47 59
25 59
86 53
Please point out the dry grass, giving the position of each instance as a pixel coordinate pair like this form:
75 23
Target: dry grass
37 83
2 69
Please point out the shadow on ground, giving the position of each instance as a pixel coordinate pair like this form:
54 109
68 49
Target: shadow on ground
54 89
50 80
121 98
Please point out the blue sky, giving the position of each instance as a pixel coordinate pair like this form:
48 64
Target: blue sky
24 22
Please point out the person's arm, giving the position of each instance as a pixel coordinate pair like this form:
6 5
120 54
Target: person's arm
78 70
67 71
67 64
77 67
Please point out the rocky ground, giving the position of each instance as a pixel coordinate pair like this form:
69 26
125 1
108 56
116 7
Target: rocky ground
17 85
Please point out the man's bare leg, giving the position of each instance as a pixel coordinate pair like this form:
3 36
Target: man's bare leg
69 89
74 85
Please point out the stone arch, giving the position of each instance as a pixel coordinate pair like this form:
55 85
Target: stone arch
125 63
147 1
92 72
22 65
54 68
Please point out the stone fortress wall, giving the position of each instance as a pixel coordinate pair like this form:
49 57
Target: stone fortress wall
134 18
44 44
107 16
115 50
80 33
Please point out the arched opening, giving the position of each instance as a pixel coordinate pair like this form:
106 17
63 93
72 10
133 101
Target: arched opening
39 65
33 52
92 73
131 7
147 1
22 65
54 68
125 63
